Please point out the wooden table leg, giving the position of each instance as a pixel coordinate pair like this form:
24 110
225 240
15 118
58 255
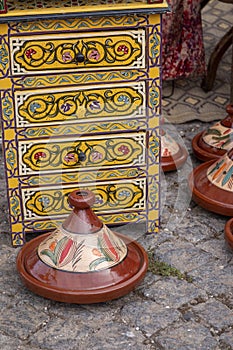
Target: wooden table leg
215 58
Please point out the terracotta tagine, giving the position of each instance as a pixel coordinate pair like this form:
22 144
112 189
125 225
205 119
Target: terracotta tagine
214 142
173 155
211 184
82 261
229 233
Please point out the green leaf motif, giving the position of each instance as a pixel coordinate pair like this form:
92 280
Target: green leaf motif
213 132
96 262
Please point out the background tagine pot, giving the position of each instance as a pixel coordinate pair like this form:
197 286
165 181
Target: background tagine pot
211 184
173 155
82 261
214 142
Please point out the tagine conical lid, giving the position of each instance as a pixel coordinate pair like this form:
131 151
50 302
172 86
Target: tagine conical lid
173 155
211 184
214 142
82 261
229 232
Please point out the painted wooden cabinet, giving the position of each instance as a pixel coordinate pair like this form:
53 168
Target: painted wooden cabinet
80 106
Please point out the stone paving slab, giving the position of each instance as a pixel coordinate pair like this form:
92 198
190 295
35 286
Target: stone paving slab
195 334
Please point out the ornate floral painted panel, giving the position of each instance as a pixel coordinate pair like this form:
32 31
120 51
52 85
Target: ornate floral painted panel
78 51
80 104
69 154
80 107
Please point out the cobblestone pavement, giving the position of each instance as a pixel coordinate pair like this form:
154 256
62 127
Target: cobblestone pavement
189 309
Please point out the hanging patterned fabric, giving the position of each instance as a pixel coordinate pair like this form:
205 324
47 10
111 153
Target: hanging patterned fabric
183 49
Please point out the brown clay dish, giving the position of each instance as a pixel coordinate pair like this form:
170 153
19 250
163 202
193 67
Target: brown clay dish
229 232
81 288
203 151
206 194
175 161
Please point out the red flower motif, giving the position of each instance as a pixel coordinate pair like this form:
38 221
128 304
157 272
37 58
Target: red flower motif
123 149
123 48
39 155
30 52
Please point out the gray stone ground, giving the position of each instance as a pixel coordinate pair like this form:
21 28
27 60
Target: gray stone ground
162 313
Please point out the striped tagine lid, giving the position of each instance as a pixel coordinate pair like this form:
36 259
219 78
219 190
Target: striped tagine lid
82 261
214 142
82 253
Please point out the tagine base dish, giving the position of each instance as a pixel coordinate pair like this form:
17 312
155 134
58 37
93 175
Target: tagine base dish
205 155
208 196
229 233
175 161
81 288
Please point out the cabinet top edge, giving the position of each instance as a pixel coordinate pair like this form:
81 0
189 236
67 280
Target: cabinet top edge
84 11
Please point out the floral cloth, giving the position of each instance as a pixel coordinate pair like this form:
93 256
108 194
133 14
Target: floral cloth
183 50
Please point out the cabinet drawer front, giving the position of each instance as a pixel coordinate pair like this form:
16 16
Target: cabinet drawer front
110 197
87 152
78 104
77 51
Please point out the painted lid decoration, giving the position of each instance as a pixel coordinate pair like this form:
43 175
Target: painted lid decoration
82 252
221 172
